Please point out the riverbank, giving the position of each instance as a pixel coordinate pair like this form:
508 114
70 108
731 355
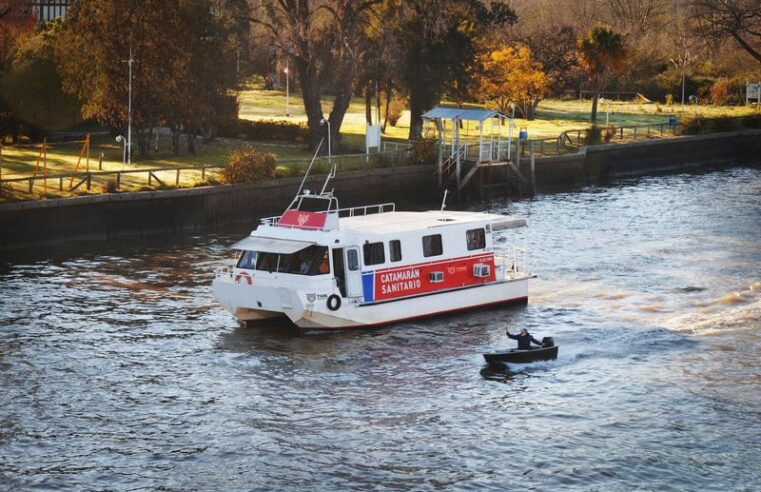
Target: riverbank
169 212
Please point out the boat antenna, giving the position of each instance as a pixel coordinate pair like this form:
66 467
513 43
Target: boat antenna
444 200
317 150
331 175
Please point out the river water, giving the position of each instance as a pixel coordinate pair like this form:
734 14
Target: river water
118 372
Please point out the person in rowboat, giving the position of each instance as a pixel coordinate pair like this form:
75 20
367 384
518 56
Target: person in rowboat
524 339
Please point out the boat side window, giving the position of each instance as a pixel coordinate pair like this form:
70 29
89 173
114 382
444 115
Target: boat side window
308 261
373 253
247 260
352 259
432 245
476 239
395 250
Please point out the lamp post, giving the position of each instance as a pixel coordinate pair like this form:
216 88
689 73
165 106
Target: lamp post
128 145
327 122
120 139
510 130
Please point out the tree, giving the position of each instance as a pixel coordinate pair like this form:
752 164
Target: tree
322 39
16 23
32 87
509 75
739 20
601 53
182 70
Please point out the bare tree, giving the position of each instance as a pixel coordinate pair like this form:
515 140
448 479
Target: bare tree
736 19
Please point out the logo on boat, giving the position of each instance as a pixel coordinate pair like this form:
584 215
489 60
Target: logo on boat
303 219
311 298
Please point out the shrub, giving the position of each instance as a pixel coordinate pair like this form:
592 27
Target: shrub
247 166
423 153
395 110
669 99
282 172
110 186
596 135
265 130
696 125
719 91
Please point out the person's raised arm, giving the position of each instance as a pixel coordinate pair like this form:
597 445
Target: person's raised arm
531 337
510 335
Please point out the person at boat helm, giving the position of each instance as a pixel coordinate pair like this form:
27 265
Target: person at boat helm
524 339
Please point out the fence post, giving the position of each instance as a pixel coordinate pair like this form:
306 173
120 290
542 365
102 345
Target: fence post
118 180
60 184
203 173
100 162
177 179
31 185
635 132
149 178
89 181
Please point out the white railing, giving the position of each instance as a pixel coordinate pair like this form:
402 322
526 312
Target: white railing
512 261
377 208
486 152
223 272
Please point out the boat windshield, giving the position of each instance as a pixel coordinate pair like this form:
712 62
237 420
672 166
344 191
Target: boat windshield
308 261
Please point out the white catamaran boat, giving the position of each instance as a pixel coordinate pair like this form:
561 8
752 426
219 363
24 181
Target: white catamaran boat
329 268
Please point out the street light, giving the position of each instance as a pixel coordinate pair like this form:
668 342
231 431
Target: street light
510 130
128 145
327 122
120 139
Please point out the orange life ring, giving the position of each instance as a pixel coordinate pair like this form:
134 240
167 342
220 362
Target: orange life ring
244 275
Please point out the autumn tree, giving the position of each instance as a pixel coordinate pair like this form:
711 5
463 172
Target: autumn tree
510 75
181 73
31 85
438 42
602 53
16 23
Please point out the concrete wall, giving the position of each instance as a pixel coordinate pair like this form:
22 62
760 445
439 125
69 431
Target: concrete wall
176 211
603 162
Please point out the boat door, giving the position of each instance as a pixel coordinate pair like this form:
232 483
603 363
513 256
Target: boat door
353 272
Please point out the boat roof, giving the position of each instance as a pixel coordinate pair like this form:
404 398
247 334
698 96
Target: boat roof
395 222
470 114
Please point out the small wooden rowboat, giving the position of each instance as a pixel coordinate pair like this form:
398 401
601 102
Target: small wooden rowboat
547 351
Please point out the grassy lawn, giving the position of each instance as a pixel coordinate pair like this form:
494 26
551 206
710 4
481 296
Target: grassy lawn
553 117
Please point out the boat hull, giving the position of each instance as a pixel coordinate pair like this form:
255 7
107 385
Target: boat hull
516 356
310 312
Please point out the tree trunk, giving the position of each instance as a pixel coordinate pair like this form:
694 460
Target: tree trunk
389 93
368 104
191 142
310 94
593 119
175 139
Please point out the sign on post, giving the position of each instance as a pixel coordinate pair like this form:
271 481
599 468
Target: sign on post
372 137
753 91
